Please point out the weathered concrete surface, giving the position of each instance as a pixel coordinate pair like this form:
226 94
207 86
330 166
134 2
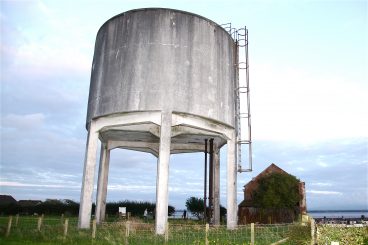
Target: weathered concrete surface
102 183
162 184
88 175
232 207
149 59
162 81
216 187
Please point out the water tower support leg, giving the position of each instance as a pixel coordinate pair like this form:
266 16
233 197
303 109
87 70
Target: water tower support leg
102 184
88 178
231 183
211 183
216 199
205 182
162 183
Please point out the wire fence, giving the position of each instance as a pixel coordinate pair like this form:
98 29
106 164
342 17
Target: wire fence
65 230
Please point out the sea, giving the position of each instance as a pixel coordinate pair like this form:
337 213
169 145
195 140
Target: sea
331 214
338 213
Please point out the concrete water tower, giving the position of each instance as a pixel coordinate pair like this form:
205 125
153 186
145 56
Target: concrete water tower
163 81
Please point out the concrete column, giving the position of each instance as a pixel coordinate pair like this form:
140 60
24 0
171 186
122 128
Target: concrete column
88 177
103 172
216 187
231 183
211 182
162 184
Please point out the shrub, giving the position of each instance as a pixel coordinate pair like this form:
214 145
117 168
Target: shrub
277 190
135 208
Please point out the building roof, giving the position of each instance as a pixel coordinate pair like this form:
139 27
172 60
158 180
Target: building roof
25 203
6 199
273 168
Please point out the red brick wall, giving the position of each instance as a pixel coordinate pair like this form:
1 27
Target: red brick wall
249 215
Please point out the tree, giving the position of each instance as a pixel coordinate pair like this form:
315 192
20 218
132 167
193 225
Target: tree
195 206
171 210
277 190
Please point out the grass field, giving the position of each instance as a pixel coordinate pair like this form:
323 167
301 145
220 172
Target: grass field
135 232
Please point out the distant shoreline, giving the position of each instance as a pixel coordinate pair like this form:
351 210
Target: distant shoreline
337 211
338 214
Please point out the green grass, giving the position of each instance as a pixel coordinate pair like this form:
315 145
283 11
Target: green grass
343 235
180 232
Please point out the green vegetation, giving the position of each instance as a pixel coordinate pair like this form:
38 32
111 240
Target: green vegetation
180 232
299 235
135 208
195 206
277 191
343 235
48 207
71 208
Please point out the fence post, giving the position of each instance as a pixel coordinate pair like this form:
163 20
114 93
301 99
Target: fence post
207 229
128 215
9 226
66 224
16 220
39 223
313 228
252 233
94 229
62 218
127 227
167 232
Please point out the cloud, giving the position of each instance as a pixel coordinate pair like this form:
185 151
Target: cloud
47 58
306 107
23 122
45 46
321 184
18 184
131 187
322 164
44 9
324 192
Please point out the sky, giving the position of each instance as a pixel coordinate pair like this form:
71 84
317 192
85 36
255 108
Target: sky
308 81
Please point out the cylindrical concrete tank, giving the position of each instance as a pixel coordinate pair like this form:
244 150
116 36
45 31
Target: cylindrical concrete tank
163 81
154 59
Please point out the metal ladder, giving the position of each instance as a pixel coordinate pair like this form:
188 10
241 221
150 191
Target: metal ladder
242 97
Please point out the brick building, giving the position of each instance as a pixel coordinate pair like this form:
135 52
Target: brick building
249 214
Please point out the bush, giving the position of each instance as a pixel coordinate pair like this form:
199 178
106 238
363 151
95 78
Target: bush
277 190
71 208
195 206
135 208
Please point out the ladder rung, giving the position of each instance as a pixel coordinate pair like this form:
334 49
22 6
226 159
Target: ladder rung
244 142
239 88
243 115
